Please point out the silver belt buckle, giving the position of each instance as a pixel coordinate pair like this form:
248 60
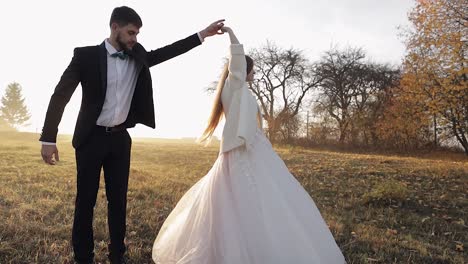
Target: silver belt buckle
108 129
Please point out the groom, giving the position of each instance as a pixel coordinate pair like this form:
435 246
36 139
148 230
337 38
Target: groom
117 94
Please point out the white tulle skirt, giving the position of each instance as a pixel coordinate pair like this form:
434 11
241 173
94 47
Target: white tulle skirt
248 209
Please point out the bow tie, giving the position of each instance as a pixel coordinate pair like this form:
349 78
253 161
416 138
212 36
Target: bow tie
121 55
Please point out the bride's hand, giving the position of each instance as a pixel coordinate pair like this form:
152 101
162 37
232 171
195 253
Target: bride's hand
225 29
232 36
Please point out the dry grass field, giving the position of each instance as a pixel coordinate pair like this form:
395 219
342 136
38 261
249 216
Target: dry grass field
380 208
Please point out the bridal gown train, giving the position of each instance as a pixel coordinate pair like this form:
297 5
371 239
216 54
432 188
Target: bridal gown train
248 209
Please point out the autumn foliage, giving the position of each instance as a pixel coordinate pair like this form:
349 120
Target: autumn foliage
433 95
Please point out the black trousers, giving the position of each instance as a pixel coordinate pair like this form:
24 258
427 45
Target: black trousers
111 151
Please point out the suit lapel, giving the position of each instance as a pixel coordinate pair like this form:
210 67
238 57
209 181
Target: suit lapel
103 67
137 54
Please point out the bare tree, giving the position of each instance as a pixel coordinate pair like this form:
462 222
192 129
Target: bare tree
290 128
352 92
342 75
369 101
283 79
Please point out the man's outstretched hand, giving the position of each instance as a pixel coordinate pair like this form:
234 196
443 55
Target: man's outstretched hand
213 29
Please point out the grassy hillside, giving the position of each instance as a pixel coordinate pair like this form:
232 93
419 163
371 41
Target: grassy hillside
380 209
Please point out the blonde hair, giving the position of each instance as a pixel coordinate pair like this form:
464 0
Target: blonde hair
217 110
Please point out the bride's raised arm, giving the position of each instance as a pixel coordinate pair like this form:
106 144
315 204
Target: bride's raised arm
237 63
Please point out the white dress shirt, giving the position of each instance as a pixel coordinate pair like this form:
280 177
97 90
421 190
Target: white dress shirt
121 82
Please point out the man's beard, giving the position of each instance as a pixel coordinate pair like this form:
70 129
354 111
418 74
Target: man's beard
122 44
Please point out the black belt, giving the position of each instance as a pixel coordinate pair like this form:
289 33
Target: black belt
112 129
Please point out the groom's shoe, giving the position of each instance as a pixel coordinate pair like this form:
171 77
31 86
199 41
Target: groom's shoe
84 261
117 255
118 260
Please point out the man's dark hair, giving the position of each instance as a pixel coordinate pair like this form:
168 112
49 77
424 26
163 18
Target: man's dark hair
124 15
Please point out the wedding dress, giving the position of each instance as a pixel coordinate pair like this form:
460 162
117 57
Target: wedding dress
248 209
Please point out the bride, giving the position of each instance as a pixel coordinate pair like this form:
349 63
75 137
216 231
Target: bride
248 209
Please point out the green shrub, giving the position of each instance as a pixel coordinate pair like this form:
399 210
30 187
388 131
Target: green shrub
386 192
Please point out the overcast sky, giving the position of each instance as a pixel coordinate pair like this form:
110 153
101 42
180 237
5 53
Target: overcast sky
38 38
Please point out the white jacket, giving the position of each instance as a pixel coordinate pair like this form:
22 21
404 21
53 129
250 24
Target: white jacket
240 106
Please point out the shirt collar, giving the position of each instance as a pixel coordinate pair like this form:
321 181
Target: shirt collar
110 49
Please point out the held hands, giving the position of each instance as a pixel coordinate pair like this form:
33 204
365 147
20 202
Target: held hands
47 151
226 29
213 29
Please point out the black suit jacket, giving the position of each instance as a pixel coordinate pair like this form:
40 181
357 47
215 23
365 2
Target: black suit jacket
89 66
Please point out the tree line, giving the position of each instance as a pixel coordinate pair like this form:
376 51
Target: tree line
345 99
351 101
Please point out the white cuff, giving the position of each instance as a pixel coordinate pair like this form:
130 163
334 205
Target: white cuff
199 36
48 143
